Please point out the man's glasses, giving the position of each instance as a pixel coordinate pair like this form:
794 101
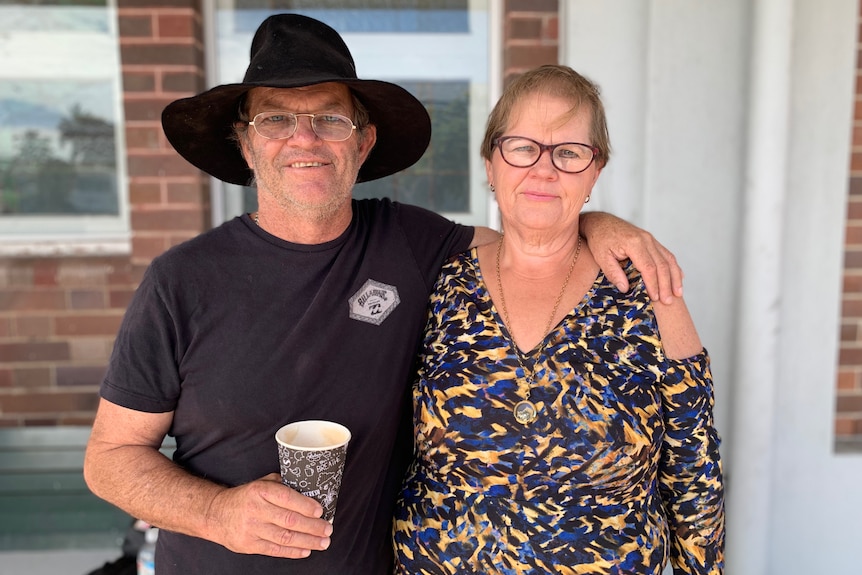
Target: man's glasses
569 157
281 125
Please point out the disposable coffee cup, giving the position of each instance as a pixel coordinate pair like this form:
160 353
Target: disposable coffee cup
311 456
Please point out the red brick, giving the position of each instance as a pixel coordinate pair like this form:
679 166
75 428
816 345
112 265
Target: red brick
168 220
175 25
88 324
178 53
183 83
850 356
852 283
145 193
849 403
848 380
853 235
139 81
143 138
43 299
48 402
33 377
524 28
80 375
45 272
5 377
853 258
135 26
148 247
147 109
188 193
532 5
86 299
33 326
167 164
526 57
844 426
34 351
552 30
120 298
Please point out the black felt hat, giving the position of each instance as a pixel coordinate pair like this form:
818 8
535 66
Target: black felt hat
289 51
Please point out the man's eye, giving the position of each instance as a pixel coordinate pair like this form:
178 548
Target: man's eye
330 119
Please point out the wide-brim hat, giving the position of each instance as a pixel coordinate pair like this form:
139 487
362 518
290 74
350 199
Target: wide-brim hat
290 51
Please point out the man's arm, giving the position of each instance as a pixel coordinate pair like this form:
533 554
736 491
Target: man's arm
612 239
482 236
123 465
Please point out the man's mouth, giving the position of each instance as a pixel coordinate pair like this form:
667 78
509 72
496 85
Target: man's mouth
306 165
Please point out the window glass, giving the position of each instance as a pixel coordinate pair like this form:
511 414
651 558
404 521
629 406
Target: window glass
60 124
436 49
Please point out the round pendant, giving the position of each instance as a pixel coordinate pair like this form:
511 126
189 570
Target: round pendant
525 412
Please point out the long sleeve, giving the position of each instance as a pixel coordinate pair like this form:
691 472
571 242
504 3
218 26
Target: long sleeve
690 476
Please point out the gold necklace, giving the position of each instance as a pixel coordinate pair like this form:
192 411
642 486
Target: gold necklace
525 411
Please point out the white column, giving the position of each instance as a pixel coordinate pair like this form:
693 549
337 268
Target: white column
750 465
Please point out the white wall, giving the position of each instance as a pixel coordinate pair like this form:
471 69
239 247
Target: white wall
731 124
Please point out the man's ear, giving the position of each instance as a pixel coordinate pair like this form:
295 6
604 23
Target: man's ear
366 144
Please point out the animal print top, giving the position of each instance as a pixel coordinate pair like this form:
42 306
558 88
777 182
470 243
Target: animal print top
620 471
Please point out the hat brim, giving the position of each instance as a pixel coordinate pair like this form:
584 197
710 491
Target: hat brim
200 128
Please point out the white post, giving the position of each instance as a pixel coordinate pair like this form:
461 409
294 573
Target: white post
749 466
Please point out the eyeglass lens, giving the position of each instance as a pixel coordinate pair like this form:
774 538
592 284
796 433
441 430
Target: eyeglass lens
568 156
281 125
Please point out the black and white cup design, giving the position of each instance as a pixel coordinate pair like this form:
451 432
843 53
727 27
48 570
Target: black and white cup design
311 457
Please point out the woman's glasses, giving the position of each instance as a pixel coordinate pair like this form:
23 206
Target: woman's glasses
569 157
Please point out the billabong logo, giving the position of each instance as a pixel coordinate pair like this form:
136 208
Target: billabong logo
374 302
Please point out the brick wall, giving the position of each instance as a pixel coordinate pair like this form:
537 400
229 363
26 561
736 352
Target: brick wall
848 421
59 316
530 36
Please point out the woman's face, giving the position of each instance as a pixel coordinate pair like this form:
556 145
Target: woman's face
542 198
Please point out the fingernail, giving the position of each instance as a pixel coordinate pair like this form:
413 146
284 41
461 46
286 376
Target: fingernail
328 530
324 543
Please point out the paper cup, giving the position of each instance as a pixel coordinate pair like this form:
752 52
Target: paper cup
311 456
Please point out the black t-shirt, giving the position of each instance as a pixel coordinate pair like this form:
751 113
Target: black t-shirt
239 332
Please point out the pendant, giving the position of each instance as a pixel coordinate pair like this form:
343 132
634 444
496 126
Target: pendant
525 412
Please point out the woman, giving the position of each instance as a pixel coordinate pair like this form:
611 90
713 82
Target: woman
561 426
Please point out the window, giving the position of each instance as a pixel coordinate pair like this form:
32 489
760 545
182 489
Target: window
436 49
61 160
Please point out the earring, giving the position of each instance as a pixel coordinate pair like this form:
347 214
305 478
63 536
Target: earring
492 188
587 201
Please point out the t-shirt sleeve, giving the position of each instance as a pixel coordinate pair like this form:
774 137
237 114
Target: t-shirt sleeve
433 238
142 373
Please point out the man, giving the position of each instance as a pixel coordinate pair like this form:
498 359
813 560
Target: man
311 308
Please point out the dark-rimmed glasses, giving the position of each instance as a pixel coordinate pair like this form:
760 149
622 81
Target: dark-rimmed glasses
281 125
569 157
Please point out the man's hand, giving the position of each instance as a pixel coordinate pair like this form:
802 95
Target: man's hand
265 517
612 239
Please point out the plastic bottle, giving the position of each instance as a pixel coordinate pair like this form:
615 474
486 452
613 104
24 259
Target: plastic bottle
147 553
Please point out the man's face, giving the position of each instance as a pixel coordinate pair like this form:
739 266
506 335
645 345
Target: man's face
304 174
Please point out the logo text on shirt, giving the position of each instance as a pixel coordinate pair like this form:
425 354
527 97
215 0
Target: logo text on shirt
374 302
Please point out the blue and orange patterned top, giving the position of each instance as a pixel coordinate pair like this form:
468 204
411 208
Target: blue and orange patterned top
619 472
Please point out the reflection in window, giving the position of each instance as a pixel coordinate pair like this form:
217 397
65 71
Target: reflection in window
56 156
439 181
58 107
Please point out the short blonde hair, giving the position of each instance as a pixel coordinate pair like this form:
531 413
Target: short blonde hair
553 80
